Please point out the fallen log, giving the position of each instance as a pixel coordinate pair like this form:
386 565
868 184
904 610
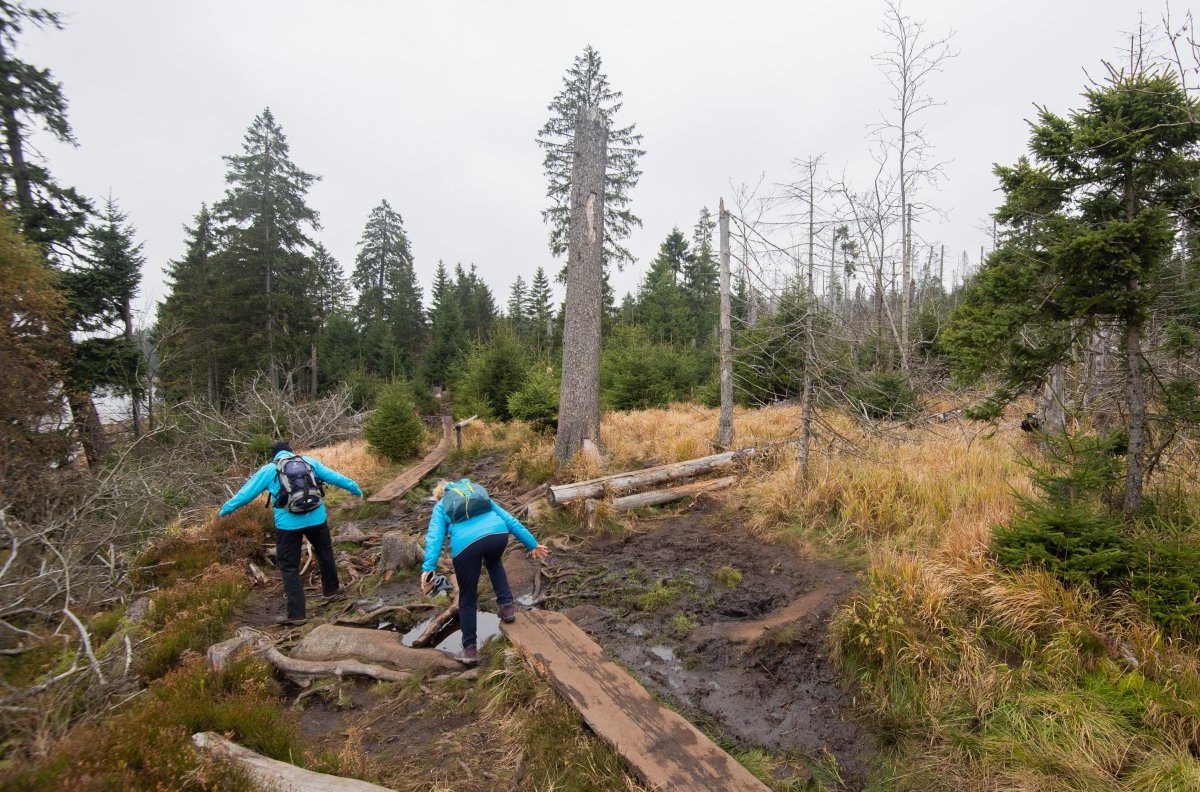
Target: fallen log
411 477
659 497
304 671
618 483
277 775
332 643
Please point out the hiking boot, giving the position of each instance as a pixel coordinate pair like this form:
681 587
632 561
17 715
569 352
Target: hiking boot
468 656
508 613
339 593
284 619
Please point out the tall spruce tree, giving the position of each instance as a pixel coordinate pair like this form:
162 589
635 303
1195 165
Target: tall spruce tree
1090 224
50 214
478 304
331 298
266 278
184 326
585 85
541 309
661 303
701 282
518 306
448 337
101 293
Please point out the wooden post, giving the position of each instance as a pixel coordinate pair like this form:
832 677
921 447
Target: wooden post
579 397
810 346
725 424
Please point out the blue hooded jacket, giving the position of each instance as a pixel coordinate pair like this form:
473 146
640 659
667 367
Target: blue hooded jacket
466 532
266 479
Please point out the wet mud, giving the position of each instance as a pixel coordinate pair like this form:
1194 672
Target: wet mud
748 659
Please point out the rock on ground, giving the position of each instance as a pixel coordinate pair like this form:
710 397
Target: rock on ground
397 552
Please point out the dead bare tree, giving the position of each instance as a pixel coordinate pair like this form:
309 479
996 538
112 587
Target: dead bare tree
910 59
579 399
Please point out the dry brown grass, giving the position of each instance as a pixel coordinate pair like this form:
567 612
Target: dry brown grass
354 459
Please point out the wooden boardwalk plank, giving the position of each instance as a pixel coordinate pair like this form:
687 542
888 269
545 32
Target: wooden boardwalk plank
661 747
411 477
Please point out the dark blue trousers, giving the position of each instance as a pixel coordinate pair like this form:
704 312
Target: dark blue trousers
485 552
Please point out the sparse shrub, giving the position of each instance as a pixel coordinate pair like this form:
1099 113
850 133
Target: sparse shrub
537 400
682 626
885 395
1075 532
727 576
660 595
394 429
172 558
1069 540
189 616
1164 577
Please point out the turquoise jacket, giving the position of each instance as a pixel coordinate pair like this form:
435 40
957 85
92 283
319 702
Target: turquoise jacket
464 533
266 479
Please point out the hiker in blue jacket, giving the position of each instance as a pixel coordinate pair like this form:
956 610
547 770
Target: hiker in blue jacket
299 515
477 541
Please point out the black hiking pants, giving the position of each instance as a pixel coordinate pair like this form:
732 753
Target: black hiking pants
287 556
484 552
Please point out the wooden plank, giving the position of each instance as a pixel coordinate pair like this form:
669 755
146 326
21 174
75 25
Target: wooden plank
661 747
412 477
276 775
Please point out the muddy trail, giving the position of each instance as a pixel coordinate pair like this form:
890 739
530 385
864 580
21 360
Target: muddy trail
729 630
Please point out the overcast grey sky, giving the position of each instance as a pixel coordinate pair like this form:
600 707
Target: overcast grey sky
435 106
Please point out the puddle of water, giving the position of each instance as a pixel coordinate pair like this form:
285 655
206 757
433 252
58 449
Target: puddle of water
636 630
487 626
664 653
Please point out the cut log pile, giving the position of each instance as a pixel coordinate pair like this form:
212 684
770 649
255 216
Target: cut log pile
626 491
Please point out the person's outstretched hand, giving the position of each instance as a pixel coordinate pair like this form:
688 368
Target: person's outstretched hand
539 552
426 583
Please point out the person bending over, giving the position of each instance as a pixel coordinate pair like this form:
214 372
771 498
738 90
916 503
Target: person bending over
296 484
479 531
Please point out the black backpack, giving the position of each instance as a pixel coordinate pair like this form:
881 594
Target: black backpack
465 499
299 490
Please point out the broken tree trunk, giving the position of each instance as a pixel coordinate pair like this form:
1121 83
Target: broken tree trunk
579 395
625 482
277 775
331 643
412 477
304 671
659 497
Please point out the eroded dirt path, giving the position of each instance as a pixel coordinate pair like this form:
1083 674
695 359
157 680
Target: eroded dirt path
730 630
747 657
